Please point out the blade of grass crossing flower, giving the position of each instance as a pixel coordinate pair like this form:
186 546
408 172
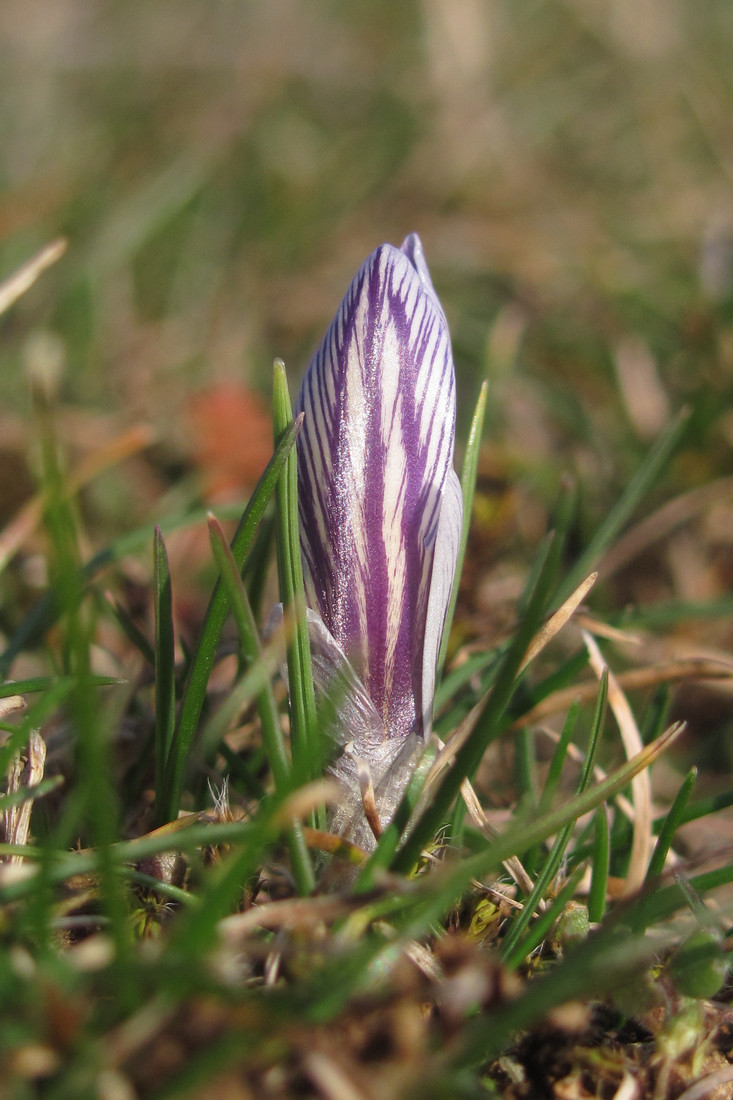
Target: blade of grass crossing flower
266 705
469 473
194 692
509 953
600 863
489 724
637 488
165 673
290 573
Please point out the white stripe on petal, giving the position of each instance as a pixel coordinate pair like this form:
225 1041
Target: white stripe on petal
447 542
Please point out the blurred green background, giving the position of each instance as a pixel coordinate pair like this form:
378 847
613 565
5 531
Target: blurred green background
221 169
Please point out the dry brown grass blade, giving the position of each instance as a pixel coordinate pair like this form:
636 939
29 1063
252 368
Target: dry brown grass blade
557 621
550 629
306 799
629 1089
641 844
661 523
23 279
334 845
366 787
603 630
708 1084
288 913
694 668
30 515
16 819
330 1079
11 704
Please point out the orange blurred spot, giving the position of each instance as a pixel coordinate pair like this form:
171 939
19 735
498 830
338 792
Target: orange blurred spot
231 438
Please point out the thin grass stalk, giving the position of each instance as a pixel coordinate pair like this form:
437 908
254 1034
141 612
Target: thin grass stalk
672 822
544 922
292 593
600 863
558 758
165 673
446 887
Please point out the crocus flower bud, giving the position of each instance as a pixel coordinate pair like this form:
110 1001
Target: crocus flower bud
380 518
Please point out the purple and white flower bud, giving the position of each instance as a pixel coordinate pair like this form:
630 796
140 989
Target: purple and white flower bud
380 516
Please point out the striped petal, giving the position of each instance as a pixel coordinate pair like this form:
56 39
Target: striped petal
378 511
359 733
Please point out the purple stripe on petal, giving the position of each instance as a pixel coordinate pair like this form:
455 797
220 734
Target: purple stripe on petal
374 457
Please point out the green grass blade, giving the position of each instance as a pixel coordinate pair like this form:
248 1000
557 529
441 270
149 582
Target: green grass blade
251 651
702 807
672 822
469 473
417 909
600 863
266 705
290 572
194 692
131 629
544 922
34 684
558 758
601 964
97 808
165 675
